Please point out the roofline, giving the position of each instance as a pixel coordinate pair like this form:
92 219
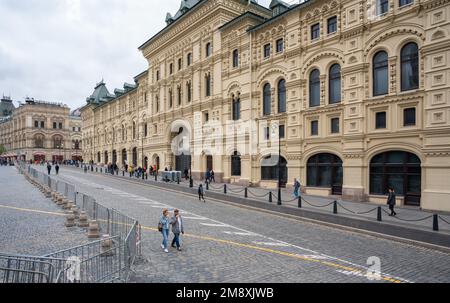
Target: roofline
255 16
273 19
116 98
187 13
140 75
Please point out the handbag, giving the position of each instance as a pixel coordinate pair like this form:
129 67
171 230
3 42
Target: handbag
160 227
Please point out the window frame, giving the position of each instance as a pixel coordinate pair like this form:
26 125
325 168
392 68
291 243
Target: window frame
407 120
335 25
334 77
267 50
378 66
315 29
314 83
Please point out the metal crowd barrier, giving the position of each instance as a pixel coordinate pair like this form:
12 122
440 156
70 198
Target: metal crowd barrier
90 263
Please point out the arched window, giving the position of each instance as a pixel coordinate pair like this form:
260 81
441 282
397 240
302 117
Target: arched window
410 66
314 88
135 156
236 164
282 96
77 144
39 141
134 130
236 108
267 100
189 91
208 85
106 157
335 84
401 170
235 58
269 169
380 74
99 157
325 170
208 49
57 142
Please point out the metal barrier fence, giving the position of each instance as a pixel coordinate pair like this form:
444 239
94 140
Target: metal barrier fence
91 263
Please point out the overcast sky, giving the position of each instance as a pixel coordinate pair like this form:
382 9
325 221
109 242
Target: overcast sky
57 50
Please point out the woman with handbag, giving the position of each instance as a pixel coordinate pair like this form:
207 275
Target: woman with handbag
163 227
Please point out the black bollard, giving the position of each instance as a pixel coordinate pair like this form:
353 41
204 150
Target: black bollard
191 183
207 185
224 188
270 197
143 176
379 218
156 177
435 223
123 173
299 202
246 192
96 169
335 211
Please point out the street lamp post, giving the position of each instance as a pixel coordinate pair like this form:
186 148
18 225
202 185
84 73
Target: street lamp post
142 154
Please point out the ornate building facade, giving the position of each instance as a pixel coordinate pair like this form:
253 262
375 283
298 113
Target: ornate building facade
354 95
38 130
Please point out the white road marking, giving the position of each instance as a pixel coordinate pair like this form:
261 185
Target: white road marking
195 218
239 233
221 224
271 244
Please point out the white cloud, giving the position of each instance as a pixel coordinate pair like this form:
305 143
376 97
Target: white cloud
57 50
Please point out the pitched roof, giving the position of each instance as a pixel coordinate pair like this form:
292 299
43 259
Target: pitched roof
100 92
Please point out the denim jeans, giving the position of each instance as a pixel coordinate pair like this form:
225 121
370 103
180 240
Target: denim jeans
165 233
176 240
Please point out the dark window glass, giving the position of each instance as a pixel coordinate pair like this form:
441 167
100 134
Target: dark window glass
380 74
382 7
324 170
36 124
335 84
315 31
179 95
314 88
54 125
332 25
269 169
42 124
236 109
180 64
314 128
409 117
208 85
335 126
189 59
266 133
145 130
398 169
282 131
60 126
380 120
280 45
282 96
170 98
236 164
206 117
267 51
171 68
404 2
410 67
235 58
208 49
157 75
189 93
267 106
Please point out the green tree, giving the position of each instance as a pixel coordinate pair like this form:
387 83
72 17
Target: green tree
2 149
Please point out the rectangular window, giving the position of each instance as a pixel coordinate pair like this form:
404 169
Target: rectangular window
60 125
267 133
171 68
315 31
335 126
282 131
145 130
404 2
206 117
54 125
332 25
267 50
380 120
189 59
42 124
382 7
36 124
280 45
314 128
180 64
157 75
409 117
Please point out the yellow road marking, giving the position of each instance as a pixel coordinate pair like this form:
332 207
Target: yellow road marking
205 238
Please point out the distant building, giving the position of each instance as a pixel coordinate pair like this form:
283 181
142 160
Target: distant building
38 130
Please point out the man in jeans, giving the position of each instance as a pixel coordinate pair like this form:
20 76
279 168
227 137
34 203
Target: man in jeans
177 227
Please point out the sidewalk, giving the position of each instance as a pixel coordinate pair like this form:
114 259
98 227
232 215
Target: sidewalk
318 207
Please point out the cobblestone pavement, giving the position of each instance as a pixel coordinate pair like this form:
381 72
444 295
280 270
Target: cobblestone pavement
407 216
30 224
226 243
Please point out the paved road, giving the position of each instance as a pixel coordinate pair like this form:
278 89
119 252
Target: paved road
227 243
30 224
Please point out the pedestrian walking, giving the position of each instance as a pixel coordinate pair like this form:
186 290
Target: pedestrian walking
186 173
297 187
49 168
391 201
208 175
163 227
57 168
201 193
212 177
177 228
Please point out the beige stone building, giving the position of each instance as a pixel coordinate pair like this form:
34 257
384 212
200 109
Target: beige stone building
357 91
38 130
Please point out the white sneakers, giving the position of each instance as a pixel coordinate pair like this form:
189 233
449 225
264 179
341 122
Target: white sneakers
166 250
162 246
